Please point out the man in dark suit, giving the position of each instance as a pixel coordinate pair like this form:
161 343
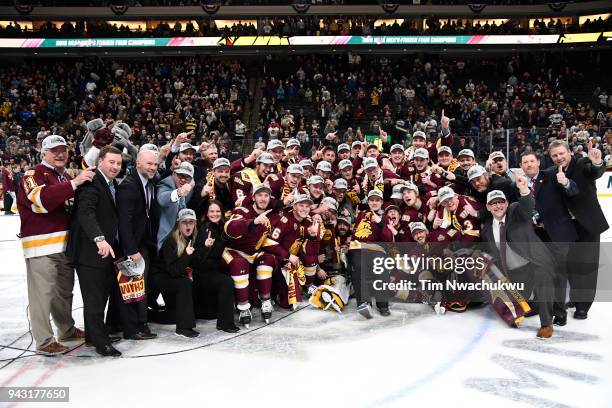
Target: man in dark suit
92 246
590 222
137 232
552 221
519 252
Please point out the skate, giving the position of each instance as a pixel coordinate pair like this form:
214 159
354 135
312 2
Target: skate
311 289
266 310
439 309
245 318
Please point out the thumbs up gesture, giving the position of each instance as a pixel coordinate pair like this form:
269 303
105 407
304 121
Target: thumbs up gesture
561 178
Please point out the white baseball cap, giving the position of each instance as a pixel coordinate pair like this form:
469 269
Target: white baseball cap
302 198
421 153
324 166
265 158
185 168
344 164
295 169
316 180
445 149
221 161
475 171
186 214
411 186
293 142
445 193
496 155
466 152
262 187
355 144
397 191
396 146
274 143
186 146
419 133
53 141
343 146
375 193
495 194
306 163
369 162
330 202
417 226
340 184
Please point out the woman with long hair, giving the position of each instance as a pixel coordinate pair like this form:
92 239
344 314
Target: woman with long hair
173 274
213 287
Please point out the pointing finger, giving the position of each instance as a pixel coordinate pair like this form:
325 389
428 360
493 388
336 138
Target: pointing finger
112 252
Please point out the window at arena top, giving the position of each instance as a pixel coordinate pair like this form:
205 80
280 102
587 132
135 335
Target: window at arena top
583 19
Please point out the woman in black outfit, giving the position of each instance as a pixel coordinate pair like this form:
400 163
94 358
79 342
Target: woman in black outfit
172 274
213 288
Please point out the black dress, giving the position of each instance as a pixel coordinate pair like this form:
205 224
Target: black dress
213 288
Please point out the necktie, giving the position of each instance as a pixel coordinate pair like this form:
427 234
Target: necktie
111 187
502 245
148 195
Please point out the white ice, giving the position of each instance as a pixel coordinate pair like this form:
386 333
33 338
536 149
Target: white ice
315 358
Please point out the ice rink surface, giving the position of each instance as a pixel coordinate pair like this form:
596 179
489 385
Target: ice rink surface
315 358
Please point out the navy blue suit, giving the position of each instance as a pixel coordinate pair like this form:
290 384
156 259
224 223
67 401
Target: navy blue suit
558 228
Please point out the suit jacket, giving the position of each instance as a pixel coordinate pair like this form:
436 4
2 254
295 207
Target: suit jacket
520 236
95 214
168 209
551 203
136 229
585 206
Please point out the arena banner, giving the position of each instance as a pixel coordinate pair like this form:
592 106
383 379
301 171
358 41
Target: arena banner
333 41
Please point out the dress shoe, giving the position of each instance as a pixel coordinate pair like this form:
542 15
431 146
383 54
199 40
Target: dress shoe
145 329
545 332
113 339
383 308
108 351
580 314
187 333
229 329
76 335
365 310
53 349
570 305
560 320
141 336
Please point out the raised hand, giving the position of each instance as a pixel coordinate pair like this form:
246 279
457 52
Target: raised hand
86 175
437 222
444 121
189 249
262 218
521 183
209 241
594 153
561 178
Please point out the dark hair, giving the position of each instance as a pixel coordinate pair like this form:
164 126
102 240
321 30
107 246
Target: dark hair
525 154
206 225
108 150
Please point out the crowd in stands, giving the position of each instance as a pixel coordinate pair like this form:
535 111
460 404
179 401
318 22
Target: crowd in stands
158 98
307 25
347 98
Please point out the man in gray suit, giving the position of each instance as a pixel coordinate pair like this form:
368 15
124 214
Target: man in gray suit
519 252
173 194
